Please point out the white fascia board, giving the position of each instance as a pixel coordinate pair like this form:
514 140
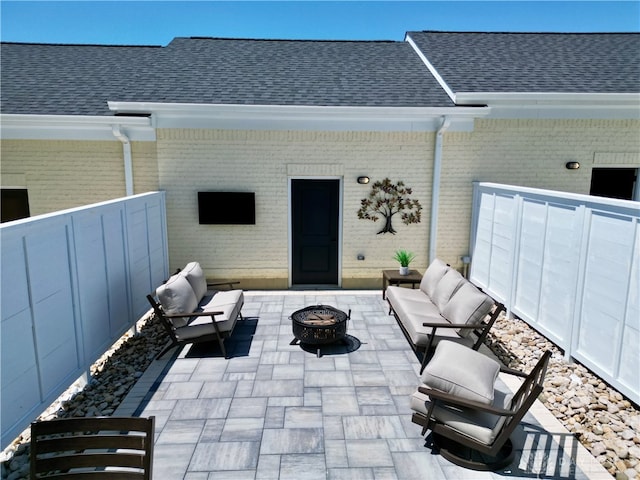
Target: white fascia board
431 68
74 127
298 117
615 106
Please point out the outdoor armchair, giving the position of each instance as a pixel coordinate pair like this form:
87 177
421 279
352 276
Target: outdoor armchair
471 416
92 447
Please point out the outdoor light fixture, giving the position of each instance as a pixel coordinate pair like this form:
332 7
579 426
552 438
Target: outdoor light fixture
572 165
363 180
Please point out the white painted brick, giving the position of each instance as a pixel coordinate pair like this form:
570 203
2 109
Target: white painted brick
63 174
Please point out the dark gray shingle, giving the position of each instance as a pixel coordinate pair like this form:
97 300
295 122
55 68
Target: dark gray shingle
71 79
534 62
75 79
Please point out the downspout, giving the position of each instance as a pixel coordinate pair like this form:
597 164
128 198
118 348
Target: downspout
435 189
128 163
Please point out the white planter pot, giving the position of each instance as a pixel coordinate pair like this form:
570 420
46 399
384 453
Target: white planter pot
404 270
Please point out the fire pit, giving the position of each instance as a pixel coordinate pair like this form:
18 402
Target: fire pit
319 325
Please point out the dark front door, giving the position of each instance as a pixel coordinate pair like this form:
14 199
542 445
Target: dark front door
315 214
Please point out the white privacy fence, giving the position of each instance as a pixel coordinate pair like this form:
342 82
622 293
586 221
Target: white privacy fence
568 265
72 283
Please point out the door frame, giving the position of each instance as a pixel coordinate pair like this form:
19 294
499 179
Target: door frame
290 221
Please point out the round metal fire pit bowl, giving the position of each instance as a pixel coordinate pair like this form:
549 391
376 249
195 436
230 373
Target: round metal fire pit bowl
319 325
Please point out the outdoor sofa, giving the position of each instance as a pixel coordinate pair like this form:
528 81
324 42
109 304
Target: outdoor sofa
446 306
191 312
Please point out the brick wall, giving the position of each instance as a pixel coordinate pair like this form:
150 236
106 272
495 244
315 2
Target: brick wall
64 174
529 153
262 162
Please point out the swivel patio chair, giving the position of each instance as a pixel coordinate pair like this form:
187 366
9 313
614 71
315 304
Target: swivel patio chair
470 418
115 448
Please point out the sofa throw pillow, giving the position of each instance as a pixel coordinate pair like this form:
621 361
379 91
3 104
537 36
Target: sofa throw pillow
461 371
432 276
195 276
176 296
446 287
467 306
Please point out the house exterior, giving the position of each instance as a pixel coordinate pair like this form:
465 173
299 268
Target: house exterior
297 122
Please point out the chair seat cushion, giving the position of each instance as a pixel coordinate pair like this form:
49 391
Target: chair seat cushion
481 426
462 372
418 334
408 300
192 330
229 302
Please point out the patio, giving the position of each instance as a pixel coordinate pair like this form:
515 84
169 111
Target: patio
276 411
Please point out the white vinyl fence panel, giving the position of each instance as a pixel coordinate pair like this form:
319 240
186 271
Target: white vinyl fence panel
72 283
568 265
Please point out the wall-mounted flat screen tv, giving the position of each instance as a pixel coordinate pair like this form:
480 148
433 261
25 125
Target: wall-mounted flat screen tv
226 208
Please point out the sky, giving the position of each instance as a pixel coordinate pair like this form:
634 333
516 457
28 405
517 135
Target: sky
158 22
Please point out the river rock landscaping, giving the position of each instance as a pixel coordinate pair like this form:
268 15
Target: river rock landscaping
606 423
112 376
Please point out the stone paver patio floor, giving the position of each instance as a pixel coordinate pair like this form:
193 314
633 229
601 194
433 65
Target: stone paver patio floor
277 411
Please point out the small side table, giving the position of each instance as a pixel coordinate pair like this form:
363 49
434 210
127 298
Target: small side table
393 277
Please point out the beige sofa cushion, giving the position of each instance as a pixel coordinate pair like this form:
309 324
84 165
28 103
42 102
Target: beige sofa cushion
176 296
446 287
408 300
228 302
468 305
433 275
195 276
463 372
419 334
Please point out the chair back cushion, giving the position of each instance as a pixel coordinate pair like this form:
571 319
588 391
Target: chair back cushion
194 274
176 296
461 371
446 287
468 305
432 276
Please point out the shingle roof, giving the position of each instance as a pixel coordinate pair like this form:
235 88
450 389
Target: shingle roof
71 79
534 62
285 72
76 79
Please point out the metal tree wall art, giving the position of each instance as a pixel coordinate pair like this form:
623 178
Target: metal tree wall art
385 200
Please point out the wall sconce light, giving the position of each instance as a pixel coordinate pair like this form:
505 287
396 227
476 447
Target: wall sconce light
572 165
363 180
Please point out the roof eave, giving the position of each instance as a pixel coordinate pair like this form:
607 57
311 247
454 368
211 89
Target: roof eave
74 127
555 105
301 117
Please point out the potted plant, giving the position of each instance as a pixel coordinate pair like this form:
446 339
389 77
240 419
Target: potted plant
404 258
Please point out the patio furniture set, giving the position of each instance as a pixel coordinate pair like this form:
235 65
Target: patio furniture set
445 306
470 414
